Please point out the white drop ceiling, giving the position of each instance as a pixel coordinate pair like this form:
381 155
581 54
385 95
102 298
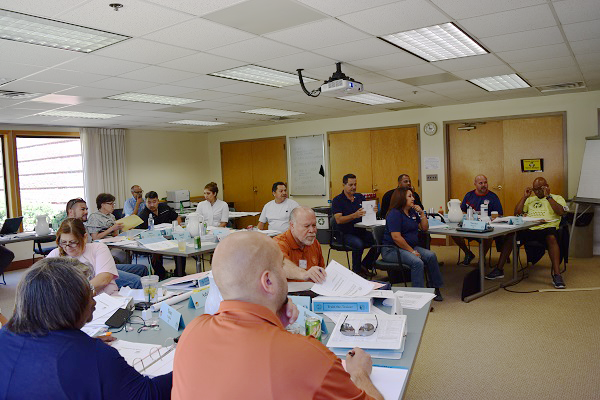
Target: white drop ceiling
175 44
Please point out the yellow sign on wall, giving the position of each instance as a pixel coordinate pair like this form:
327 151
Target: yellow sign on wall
532 165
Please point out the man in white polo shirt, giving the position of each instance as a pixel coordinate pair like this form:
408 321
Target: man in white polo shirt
277 212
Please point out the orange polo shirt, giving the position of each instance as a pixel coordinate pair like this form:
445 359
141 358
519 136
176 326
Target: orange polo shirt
290 249
243 352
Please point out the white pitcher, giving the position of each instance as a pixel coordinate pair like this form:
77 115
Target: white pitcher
42 227
192 223
455 214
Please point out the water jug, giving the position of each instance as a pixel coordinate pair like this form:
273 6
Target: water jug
42 227
454 212
192 224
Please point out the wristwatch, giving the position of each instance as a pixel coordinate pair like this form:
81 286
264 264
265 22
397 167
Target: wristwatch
548 197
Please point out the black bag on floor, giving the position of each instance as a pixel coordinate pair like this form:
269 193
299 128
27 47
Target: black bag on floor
471 284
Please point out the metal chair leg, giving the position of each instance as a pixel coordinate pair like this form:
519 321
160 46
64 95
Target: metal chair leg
348 261
328 253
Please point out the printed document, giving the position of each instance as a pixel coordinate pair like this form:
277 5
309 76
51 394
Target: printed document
414 300
105 307
340 281
389 332
129 222
370 218
388 380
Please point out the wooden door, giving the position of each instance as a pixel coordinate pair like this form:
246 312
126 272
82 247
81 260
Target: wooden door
350 153
539 137
394 151
236 162
475 152
269 165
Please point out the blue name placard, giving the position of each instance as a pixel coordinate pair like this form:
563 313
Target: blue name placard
181 235
150 234
475 225
171 316
303 301
515 221
198 298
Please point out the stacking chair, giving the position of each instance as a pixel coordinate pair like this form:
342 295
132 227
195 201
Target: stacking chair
397 272
336 241
6 257
118 213
535 250
41 251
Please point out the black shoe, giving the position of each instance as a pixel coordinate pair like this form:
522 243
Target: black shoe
468 258
438 295
496 273
558 281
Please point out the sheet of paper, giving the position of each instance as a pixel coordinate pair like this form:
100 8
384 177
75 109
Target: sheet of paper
414 300
158 243
340 281
105 307
370 217
388 380
299 286
129 222
389 333
165 225
92 331
132 351
162 366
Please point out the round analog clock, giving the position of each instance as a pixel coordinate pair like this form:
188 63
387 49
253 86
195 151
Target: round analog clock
430 128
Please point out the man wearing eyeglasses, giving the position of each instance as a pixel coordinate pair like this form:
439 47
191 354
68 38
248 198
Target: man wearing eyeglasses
135 204
247 337
550 207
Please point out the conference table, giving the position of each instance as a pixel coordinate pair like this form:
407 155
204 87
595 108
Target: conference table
450 230
24 237
416 320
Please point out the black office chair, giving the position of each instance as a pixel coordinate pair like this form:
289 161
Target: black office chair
397 272
336 241
535 250
42 251
118 213
6 257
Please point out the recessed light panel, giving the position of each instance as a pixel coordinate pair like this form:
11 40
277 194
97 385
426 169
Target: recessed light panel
272 111
370 99
194 122
500 82
261 75
151 98
60 35
435 43
77 114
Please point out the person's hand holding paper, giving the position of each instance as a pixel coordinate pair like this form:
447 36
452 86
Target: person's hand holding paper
129 222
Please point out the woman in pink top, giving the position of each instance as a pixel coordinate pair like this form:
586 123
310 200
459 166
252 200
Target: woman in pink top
72 242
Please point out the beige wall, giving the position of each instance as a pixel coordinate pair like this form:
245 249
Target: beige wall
162 161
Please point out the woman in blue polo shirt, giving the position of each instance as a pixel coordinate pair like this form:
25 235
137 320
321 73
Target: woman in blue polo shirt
403 221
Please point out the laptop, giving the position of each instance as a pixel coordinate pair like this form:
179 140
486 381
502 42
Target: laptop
11 226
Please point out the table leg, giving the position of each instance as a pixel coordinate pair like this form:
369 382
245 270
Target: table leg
482 291
515 263
199 263
180 266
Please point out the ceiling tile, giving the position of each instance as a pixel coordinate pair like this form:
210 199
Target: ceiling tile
144 51
357 50
134 19
199 34
535 53
10 70
291 63
584 46
122 84
242 88
325 72
472 8
553 73
31 54
255 50
464 63
411 72
571 11
167 90
89 92
524 40
34 86
523 19
158 75
276 93
340 7
396 17
263 16
430 79
550 63
101 65
46 9
318 34
582 30
203 63
196 7
484 72
74 78
589 59
390 61
207 95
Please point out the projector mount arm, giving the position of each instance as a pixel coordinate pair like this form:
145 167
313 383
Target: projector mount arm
314 93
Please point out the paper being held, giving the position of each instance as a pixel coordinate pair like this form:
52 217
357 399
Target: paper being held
340 281
370 217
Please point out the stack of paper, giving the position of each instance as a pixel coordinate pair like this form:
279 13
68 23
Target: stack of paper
389 333
388 380
105 307
342 282
414 300
157 243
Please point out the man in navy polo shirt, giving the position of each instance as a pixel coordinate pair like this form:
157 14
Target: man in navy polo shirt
347 209
474 199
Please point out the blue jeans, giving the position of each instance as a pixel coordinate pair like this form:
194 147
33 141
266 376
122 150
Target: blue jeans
359 240
129 275
417 265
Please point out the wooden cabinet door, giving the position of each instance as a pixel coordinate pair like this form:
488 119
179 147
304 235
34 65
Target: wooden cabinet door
475 152
393 152
350 153
269 165
236 161
525 138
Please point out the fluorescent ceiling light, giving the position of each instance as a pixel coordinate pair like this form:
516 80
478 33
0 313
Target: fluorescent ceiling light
370 99
272 111
60 35
76 114
261 75
194 122
435 43
152 98
500 82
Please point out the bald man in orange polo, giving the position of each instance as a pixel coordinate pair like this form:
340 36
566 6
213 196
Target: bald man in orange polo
244 351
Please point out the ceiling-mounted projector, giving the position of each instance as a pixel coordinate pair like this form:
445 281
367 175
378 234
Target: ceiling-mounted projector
338 82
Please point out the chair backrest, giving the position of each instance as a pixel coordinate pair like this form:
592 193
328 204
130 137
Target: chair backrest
118 213
335 234
378 232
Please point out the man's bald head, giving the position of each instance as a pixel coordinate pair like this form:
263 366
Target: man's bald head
300 212
539 182
539 186
303 225
481 185
239 265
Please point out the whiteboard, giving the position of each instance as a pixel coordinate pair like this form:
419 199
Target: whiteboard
307 164
589 180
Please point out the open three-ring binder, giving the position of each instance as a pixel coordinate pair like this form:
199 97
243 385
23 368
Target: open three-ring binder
147 359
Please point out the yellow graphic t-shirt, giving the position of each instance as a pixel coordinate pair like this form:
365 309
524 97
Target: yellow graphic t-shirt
541 208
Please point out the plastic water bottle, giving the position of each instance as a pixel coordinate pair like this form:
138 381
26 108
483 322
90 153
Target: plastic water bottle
150 222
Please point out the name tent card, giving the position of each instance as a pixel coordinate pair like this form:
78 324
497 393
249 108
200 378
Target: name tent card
515 221
181 236
150 234
198 298
303 301
171 316
475 225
